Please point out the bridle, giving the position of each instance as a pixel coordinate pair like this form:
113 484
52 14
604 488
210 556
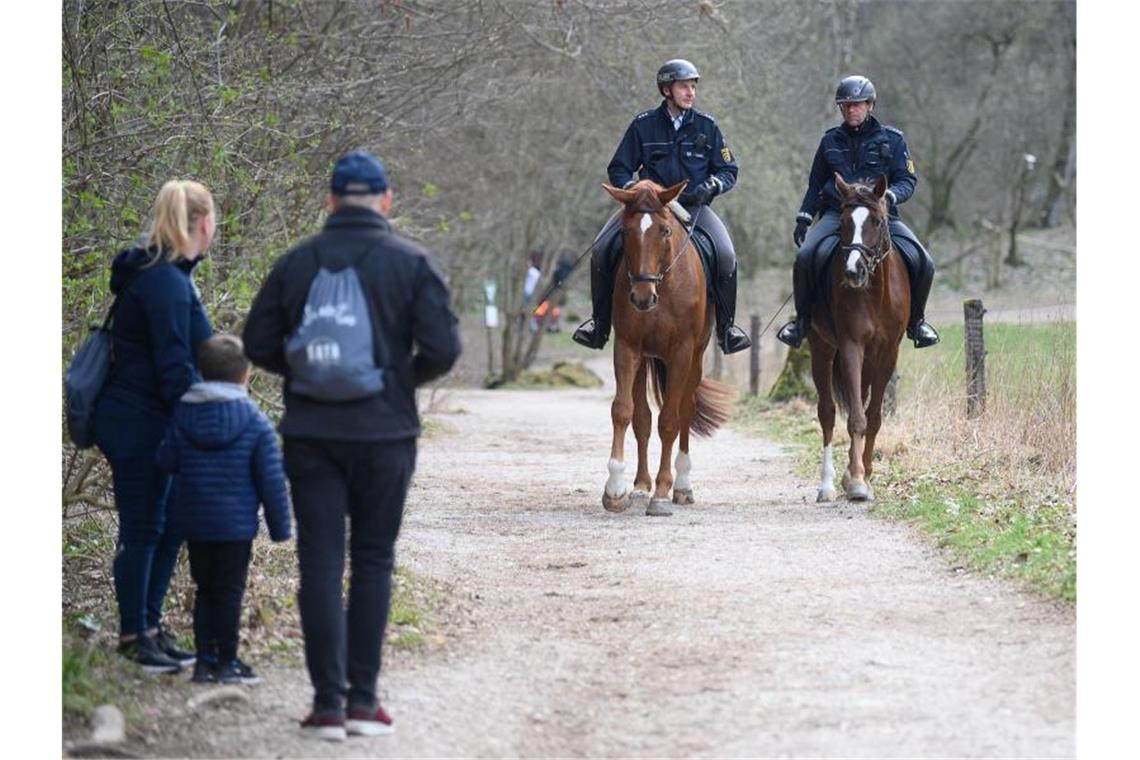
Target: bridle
657 278
871 257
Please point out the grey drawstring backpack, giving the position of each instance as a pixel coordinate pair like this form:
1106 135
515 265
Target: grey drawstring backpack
332 354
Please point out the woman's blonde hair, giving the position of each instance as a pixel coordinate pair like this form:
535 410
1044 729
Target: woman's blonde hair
178 207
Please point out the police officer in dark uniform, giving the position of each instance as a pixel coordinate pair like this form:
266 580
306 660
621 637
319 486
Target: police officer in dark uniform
668 144
860 149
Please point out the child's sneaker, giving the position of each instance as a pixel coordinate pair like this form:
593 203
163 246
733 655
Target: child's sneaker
145 652
369 723
237 672
327 726
205 670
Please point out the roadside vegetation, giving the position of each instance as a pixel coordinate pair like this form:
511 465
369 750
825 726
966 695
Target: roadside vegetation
998 491
93 674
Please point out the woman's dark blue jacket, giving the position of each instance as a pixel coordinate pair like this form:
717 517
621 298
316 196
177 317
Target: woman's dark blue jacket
158 325
225 454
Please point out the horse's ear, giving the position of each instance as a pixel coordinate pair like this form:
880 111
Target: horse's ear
840 185
669 193
881 186
621 196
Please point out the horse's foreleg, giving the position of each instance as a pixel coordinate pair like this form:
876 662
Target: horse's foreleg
854 480
615 496
821 361
683 486
642 428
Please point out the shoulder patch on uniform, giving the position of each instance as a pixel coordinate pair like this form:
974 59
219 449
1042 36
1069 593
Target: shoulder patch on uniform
833 129
889 128
643 114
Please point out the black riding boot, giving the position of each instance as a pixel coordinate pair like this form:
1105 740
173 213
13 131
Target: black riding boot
595 331
730 337
794 332
917 329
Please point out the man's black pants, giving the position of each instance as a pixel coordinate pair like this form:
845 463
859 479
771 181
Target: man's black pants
364 484
219 570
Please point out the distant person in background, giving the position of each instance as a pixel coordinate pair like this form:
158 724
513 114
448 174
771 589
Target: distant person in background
351 423
224 452
159 324
533 275
668 144
859 150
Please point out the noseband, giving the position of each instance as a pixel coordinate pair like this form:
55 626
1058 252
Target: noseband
871 256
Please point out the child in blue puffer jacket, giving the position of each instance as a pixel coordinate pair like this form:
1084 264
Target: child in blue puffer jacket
228 462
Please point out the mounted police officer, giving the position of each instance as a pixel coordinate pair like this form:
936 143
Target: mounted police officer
668 144
860 149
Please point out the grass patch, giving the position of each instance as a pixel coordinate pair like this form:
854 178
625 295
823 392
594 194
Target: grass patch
92 676
563 374
996 491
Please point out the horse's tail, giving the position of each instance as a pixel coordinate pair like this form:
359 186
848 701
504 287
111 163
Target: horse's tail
714 407
838 386
657 380
713 402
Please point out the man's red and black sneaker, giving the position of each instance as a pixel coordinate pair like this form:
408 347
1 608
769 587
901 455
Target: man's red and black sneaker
369 722
327 726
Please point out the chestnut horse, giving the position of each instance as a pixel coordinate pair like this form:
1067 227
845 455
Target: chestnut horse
662 320
856 331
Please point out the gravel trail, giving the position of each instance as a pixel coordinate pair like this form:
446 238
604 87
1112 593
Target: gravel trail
753 623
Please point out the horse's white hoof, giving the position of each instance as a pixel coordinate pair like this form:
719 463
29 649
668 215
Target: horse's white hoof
859 491
829 495
682 496
659 508
639 499
615 503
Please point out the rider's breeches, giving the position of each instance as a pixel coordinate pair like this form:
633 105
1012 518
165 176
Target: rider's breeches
919 266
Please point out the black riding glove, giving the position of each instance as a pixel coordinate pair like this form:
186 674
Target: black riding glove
700 195
800 233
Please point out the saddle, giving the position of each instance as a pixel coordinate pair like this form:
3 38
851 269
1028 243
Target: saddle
827 249
699 240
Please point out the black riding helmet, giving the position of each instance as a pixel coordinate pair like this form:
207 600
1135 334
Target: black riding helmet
676 70
855 89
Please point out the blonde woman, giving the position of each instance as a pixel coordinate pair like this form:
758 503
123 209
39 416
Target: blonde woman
158 325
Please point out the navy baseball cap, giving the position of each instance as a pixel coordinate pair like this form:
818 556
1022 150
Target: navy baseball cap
359 173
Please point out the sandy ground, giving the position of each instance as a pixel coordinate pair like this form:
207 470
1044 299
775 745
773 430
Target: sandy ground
753 623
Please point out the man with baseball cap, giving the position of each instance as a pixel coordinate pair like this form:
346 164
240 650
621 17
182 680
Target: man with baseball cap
351 461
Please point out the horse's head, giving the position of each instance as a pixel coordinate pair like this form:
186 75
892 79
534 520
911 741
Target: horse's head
864 232
650 237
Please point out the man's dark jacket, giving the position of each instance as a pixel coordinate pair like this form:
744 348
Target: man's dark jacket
859 154
652 149
410 307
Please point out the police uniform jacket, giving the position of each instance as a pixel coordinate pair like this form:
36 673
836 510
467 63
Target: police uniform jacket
652 149
859 154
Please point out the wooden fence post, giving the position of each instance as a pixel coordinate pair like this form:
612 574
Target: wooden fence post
754 358
975 358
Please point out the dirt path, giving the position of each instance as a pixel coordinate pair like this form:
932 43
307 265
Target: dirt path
753 623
